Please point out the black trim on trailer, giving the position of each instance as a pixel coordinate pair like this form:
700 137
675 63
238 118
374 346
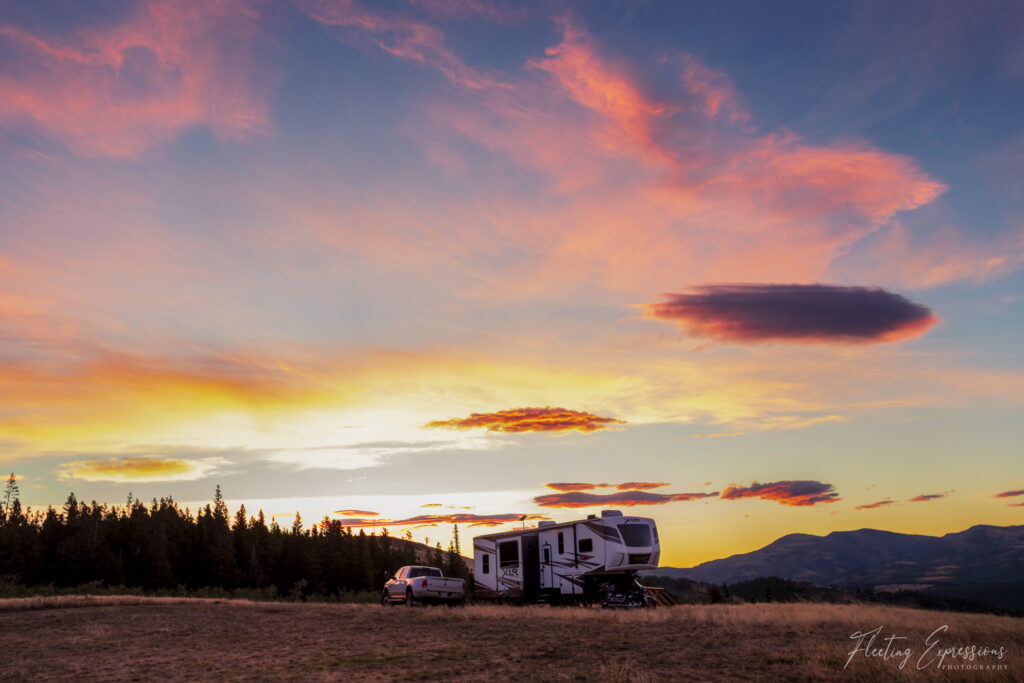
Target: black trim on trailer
575 555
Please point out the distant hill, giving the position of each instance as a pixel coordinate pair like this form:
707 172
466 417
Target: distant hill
984 563
774 589
423 551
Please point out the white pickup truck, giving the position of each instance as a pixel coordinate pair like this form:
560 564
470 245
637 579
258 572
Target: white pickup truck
422 585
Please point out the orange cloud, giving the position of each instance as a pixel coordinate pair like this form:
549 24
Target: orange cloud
578 499
1009 494
433 520
640 485
878 504
431 505
99 391
135 469
800 493
566 486
529 420
360 513
117 91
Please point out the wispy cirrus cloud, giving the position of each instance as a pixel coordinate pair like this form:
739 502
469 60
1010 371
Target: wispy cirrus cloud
520 420
798 493
117 90
455 518
876 504
750 313
357 513
627 486
715 435
138 469
398 34
580 499
1009 494
496 11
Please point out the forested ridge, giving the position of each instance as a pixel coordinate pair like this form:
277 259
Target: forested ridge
159 546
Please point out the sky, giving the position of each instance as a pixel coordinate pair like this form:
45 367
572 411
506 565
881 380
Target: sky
747 268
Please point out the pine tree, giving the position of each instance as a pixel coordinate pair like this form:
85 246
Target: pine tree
11 494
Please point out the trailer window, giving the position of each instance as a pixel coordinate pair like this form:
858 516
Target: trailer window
586 545
561 543
508 553
636 535
487 564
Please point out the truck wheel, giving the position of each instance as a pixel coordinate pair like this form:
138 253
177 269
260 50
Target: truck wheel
384 600
409 602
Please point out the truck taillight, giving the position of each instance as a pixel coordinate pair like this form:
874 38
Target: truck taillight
423 584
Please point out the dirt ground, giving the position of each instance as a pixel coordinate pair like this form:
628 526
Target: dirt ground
105 638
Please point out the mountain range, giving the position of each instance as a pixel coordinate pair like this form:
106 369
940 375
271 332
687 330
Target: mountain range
984 563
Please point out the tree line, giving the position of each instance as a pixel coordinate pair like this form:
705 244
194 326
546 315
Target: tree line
160 546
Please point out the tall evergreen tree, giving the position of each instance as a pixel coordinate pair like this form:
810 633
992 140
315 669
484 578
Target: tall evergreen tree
11 493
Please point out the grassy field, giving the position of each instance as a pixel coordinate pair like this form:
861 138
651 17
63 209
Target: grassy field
135 638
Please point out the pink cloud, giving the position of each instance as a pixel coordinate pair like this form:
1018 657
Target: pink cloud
118 90
899 256
643 188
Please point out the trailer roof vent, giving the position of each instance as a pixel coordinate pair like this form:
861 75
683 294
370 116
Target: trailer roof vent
543 524
611 513
591 516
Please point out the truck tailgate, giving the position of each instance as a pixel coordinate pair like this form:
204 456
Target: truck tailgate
445 585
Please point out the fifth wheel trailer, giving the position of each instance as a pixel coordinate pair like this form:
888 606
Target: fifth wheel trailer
582 561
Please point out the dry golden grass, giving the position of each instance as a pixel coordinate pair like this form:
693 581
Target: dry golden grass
136 638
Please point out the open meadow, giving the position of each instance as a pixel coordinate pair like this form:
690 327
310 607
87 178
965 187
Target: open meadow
134 638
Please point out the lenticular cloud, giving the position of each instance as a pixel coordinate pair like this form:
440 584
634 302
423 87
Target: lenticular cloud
749 313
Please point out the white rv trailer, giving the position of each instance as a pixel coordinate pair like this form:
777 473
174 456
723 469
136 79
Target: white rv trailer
565 562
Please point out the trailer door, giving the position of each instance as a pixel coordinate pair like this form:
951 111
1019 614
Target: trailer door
547 574
531 567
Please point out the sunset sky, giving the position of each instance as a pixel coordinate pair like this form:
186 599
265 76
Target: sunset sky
747 268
